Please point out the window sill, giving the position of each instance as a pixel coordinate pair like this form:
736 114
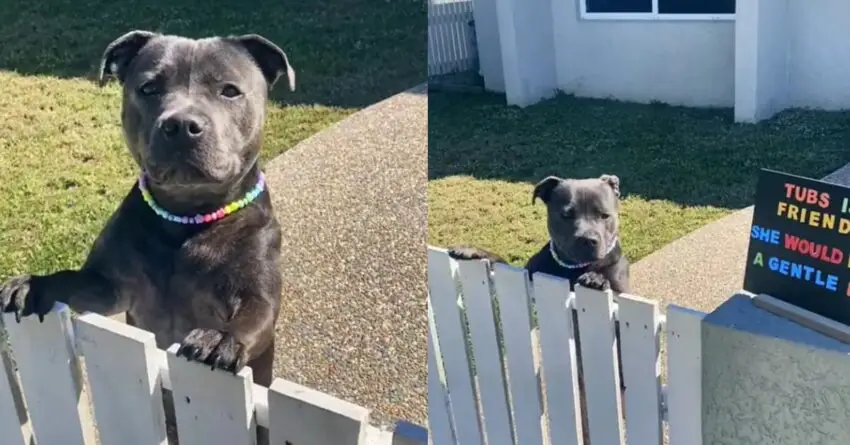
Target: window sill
649 16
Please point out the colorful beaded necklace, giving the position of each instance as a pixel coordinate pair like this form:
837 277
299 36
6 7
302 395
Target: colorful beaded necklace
201 219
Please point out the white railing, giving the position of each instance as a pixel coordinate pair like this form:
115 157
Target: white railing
122 403
503 367
451 37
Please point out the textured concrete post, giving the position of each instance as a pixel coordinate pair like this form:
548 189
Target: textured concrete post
769 380
489 45
528 51
761 59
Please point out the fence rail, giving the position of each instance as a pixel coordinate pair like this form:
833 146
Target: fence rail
451 37
123 404
515 362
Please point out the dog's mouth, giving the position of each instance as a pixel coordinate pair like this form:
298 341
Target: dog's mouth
582 253
186 171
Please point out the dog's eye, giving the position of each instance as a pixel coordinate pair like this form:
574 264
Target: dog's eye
149 89
230 91
605 216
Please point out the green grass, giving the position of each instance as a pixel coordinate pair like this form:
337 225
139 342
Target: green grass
63 164
680 168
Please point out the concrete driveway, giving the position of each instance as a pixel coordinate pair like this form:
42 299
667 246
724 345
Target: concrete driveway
352 204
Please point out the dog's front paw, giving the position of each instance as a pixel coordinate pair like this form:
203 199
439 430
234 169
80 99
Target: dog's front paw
465 253
217 349
473 253
593 280
21 295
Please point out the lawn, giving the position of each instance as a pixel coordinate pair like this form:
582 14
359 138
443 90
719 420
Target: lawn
680 168
63 164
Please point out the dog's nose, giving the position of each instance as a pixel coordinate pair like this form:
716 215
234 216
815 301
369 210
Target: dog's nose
588 243
183 125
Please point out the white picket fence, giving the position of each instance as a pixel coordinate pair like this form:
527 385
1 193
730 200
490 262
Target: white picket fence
451 37
497 377
122 403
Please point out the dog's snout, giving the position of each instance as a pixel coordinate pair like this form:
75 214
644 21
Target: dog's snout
184 125
588 242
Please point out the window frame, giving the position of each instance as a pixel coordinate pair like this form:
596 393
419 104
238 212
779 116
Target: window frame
650 16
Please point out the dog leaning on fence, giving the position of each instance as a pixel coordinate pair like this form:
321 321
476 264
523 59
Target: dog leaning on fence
192 253
209 280
584 244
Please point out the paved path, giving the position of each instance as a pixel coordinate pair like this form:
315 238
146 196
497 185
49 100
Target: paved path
704 268
352 204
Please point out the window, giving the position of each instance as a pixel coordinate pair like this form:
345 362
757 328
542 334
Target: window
658 9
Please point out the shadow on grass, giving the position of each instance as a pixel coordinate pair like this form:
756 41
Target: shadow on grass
347 53
694 157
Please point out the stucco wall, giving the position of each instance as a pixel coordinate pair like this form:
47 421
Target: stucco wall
526 36
775 54
767 380
761 59
678 62
488 44
819 53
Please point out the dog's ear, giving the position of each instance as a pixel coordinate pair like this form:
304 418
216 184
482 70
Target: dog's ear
544 188
613 182
269 57
118 54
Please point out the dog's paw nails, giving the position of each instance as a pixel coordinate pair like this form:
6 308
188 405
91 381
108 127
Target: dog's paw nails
17 296
199 344
463 253
593 280
214 349
228 355
13 295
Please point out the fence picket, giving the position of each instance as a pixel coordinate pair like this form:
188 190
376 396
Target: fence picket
558 347
455 34
452 343
442 44
684 375
300 415
50 376
450 47
599 364
439 415
10 428
514 310
475 282
211 406
125 388
641 354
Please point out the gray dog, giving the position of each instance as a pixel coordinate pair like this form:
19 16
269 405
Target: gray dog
584 227
584 246
192 254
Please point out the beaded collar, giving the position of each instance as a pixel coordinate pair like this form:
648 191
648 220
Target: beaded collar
206 218
567 265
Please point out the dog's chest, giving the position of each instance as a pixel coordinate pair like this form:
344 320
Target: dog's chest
172 292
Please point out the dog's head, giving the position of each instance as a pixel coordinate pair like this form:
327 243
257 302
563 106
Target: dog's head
193 109
583 219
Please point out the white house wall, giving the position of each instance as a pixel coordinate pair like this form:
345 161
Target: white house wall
775 54
688 63
819 54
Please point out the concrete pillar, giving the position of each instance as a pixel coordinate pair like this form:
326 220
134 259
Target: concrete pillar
528 53
761 59
489 45
767 380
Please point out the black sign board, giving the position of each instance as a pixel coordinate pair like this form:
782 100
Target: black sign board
800 244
